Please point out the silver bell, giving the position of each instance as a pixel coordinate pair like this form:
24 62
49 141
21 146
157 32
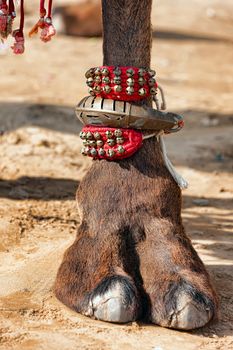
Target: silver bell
89 73
93 152
89 135
92 143
130 82
109 134
111 153
151 82
97 79
111 142
141 72
117 88
97 135
151 73
153 91
120 140
82 135
130 72
130 90
101 152
141 81
97 71
117 71
106 80
99 143
117 80
142 92
118 133
105 71
90 82
121 149
107 89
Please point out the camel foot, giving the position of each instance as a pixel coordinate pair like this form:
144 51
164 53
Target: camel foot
114 300
186 308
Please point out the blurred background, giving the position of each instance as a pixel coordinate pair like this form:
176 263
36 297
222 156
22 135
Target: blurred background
41 167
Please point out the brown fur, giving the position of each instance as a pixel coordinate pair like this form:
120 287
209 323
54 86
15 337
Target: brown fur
131 209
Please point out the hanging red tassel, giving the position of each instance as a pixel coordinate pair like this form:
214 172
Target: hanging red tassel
3 19
11 16
18 46
45 24
40 23
7 15
49 30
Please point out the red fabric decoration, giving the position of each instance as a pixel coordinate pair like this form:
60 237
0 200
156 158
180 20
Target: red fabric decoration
7 15
140 90
18 46
48 31
130 142
45 24
3 19
6 18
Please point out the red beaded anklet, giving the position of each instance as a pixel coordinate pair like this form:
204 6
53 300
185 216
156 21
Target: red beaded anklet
110 143
121 83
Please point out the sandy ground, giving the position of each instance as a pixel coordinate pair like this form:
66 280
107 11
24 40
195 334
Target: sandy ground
41 167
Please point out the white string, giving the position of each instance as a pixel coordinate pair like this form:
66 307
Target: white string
176 176
182 183
163 104
149 136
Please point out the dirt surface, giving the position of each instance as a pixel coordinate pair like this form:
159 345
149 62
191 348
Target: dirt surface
41 167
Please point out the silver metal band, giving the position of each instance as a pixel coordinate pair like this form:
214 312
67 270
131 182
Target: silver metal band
119 114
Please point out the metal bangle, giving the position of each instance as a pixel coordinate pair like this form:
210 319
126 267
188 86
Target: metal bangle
120 114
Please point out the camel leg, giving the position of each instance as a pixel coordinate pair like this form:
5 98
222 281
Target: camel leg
131 256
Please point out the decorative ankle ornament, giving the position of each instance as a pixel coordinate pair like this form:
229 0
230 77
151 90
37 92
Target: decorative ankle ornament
7 15
110 143
121 83
118 114
109 115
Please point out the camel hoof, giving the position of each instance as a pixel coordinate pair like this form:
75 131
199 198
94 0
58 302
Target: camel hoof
185 308
114 300
190 313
